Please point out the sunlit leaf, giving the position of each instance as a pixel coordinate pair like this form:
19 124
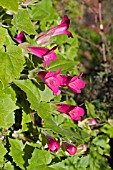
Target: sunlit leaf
13 5
22 22
16 151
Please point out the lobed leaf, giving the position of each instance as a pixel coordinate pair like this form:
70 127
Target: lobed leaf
39 158
11 64
22 22
3 151
7 107
13 5
16 151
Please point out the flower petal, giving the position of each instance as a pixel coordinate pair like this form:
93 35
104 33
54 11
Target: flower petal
38 51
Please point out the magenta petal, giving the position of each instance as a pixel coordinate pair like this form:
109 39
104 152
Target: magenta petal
51 56
62 28
65 108
65 80
76 113
72 150
53 84
52 80
20 37
53 145
44 38
42 74
38 51
66 20
51 73
76 84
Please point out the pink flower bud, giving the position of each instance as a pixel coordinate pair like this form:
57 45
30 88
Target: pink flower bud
20 38
53 145
82 147
92 122
70 148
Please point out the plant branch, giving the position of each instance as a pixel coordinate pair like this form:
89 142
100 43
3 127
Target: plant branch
101 32
89 42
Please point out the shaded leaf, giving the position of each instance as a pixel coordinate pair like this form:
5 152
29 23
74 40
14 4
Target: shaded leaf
31 91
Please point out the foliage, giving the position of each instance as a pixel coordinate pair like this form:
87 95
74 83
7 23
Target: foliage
28 107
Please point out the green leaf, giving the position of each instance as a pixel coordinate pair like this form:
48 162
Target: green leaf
7 107
66 65
51 124
11 64
84 161
107 129
31 91
3 151
46 94
16 151
101 140
13 5
4 37
97 161
59 166
102 143
11 92
44 110
90 109
43 10
44 168
26 118
39 157
8 166
22 22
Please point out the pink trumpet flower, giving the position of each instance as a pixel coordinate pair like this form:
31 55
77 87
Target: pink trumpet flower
62 28
20 38
75 112
52 80
53 145
74 83
44 53
71 149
